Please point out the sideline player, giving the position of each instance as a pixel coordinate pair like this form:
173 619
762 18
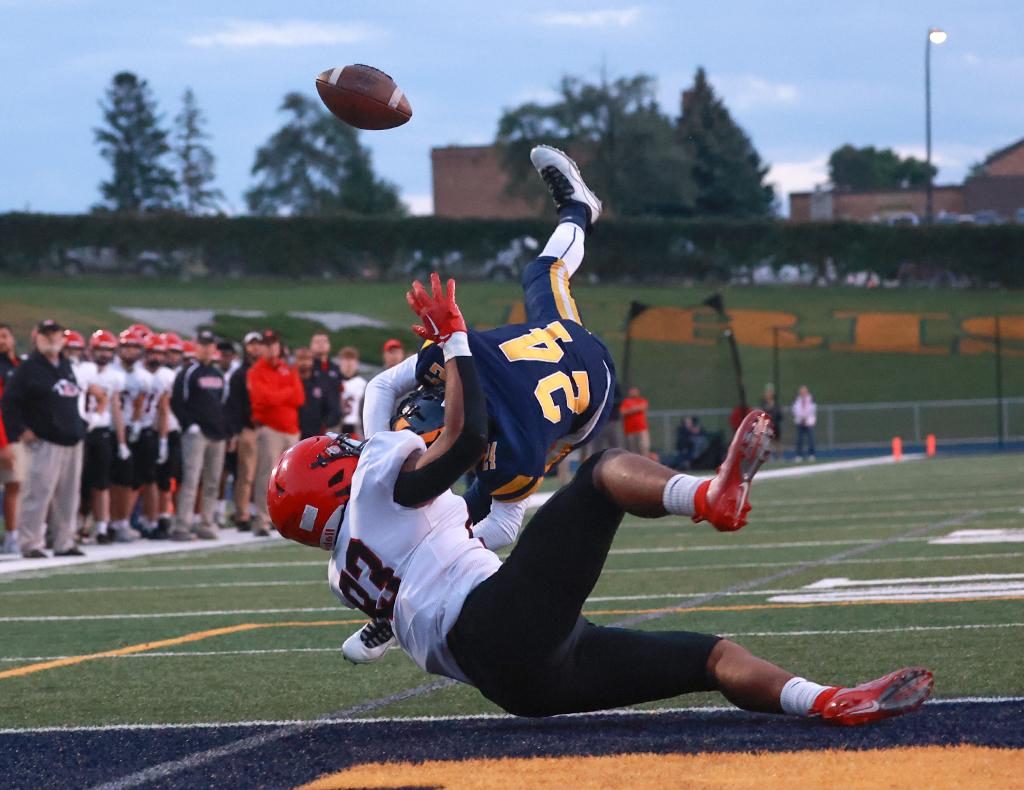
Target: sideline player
514 630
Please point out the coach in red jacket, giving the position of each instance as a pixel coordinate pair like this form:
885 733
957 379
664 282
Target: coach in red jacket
275 394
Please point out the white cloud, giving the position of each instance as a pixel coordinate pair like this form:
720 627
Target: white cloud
612 17
747 91
798 176
239 33
419 205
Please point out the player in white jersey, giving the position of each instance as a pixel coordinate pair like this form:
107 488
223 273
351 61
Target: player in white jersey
514 630
101 385
168 470
353 388
155 426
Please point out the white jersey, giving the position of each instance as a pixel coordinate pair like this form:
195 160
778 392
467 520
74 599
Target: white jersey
98 412
137 381
352 391
165 384
416 564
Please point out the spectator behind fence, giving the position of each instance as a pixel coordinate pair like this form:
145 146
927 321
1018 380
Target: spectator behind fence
634 422
805 416
771 407
40 405
353 388
691 442
12 469
198 403
276 394
328 377
238 415
393 353
315 411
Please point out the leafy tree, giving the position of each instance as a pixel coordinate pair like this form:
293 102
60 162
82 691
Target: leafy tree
135 145
314 165
194 158
727 170
617 131
876 168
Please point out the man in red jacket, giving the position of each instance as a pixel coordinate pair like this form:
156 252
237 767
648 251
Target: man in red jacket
275 393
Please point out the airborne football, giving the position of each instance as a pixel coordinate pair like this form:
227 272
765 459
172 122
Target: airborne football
648 412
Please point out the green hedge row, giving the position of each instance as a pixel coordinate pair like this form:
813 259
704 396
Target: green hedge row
620 249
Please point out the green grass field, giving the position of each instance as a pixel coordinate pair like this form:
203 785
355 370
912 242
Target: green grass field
291 668
674 376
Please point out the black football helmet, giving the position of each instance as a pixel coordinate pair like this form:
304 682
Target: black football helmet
422 412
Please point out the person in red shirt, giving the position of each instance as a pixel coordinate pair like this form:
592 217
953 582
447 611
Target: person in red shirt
275 394
634 422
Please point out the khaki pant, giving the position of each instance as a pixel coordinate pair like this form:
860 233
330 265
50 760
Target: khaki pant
50 495
201 458
639 442
246 472
270 445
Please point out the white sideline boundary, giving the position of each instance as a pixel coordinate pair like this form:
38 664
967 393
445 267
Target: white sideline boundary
357 722
230 538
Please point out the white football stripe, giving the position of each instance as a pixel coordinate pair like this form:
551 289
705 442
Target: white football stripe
396 97
335 73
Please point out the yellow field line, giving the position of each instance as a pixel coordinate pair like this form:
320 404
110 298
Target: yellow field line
144 647
759 606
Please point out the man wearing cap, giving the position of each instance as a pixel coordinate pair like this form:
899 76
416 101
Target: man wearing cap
198 403
353 387
40 404
327 377
275 394
12 467
393 352
238 416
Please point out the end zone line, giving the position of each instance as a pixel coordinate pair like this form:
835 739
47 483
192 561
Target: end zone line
454 718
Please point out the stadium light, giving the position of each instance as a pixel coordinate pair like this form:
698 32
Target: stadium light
935 36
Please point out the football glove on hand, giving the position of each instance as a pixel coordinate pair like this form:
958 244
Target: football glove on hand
124 451
440 314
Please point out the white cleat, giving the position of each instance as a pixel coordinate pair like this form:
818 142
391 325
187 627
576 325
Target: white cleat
562 177
369 643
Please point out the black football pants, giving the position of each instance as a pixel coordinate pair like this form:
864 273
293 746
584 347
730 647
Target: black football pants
522 641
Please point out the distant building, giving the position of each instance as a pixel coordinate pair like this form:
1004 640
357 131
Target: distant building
470 182
995 195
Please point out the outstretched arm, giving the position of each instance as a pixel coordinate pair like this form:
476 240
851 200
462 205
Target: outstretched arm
383 391
462 442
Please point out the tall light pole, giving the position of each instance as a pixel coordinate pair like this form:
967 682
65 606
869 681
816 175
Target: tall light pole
935 36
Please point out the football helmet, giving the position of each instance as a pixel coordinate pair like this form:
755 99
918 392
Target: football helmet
142 329
155 343
172 341
73 339
310 487
422 412
132 337
101 338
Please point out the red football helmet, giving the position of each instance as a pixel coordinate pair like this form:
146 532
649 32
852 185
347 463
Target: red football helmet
73 339
155 343
172 341
142 329
132 337
188 348
101 338
310 487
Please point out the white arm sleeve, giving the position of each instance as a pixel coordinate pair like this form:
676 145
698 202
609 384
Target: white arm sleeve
501 526
381 393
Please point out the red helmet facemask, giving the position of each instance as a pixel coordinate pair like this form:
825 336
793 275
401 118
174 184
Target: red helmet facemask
310 487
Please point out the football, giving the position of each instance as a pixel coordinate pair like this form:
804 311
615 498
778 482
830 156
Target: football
363 96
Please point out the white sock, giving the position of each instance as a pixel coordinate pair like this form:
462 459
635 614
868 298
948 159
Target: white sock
679 494
101 527
798 696
566 243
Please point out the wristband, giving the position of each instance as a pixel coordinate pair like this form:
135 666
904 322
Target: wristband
456 346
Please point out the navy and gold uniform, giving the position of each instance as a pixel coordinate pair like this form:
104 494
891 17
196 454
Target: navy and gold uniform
548 384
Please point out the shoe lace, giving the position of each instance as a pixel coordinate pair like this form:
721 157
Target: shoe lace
558 184
376 633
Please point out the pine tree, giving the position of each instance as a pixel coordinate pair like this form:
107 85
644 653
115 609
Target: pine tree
727 169
135 145
315 165
195 160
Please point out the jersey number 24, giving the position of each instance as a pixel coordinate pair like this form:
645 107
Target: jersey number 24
542 345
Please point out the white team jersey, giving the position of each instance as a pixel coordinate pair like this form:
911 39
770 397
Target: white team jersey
417 564
137 381
98 413
165 383
352 391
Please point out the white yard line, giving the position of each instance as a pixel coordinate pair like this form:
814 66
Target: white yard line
361 722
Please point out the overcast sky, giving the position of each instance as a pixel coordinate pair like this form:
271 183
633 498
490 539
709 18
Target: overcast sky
800 77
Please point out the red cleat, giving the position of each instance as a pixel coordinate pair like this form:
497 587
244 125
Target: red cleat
723 501
899 692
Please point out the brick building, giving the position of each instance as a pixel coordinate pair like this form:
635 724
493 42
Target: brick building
470 182
996 194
